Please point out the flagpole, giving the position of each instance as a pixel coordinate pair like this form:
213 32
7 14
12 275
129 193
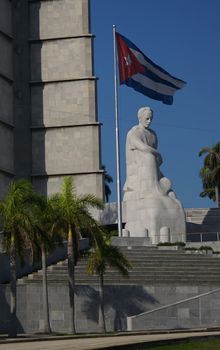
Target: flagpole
117 139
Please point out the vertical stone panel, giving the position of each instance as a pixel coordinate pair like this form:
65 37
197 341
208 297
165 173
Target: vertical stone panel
4 182
21 76
7 149
67 18
5 17
65 150
63 103
6 57
6 101
84 183
61 59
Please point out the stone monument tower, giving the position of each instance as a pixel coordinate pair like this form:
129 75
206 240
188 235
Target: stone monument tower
48 116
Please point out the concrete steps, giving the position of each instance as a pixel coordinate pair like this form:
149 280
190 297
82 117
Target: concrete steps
150 266
143 269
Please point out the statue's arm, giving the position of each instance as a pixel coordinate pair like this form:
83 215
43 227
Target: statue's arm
136 143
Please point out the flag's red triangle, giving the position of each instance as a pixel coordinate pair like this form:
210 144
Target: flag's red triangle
128 63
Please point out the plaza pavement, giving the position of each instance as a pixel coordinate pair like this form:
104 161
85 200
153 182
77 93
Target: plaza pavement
93 343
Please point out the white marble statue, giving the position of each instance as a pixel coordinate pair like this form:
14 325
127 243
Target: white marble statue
151 206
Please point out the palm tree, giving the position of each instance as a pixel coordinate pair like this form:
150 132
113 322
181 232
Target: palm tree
17 224
102 255
46 218
208 187
210 173
107 179
74 216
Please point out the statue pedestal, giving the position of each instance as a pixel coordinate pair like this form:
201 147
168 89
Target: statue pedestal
159 218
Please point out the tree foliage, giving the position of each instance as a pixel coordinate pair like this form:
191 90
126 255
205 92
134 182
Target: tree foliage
107 180
210 172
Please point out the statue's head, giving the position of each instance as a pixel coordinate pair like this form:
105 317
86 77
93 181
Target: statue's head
145 116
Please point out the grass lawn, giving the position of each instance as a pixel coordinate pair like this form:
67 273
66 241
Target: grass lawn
200 344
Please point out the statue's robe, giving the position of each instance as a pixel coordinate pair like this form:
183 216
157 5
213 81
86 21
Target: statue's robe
142 168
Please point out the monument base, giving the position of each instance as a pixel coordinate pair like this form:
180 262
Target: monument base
131 241
161 218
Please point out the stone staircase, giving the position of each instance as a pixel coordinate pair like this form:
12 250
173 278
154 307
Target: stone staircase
151 266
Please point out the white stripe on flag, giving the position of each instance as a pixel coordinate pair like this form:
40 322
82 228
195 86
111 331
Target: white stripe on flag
160 74
157 87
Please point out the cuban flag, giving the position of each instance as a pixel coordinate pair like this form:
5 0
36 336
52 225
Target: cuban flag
139 72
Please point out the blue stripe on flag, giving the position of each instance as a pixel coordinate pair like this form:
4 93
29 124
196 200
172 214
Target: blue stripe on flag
166 99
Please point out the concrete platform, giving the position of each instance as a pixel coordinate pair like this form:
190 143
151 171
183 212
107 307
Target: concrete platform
124 341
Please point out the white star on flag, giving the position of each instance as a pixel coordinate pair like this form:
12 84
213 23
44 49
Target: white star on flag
128 60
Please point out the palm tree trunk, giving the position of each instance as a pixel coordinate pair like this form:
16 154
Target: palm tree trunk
101 310
46 316
13 281
71 278
217 196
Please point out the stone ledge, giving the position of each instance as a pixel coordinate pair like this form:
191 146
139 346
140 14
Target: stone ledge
131 241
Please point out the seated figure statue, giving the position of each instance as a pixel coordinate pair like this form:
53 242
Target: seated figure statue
151 206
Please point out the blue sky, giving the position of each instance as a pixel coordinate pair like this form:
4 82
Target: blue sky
182 36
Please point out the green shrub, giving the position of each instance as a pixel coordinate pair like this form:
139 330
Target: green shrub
205 247
180 244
